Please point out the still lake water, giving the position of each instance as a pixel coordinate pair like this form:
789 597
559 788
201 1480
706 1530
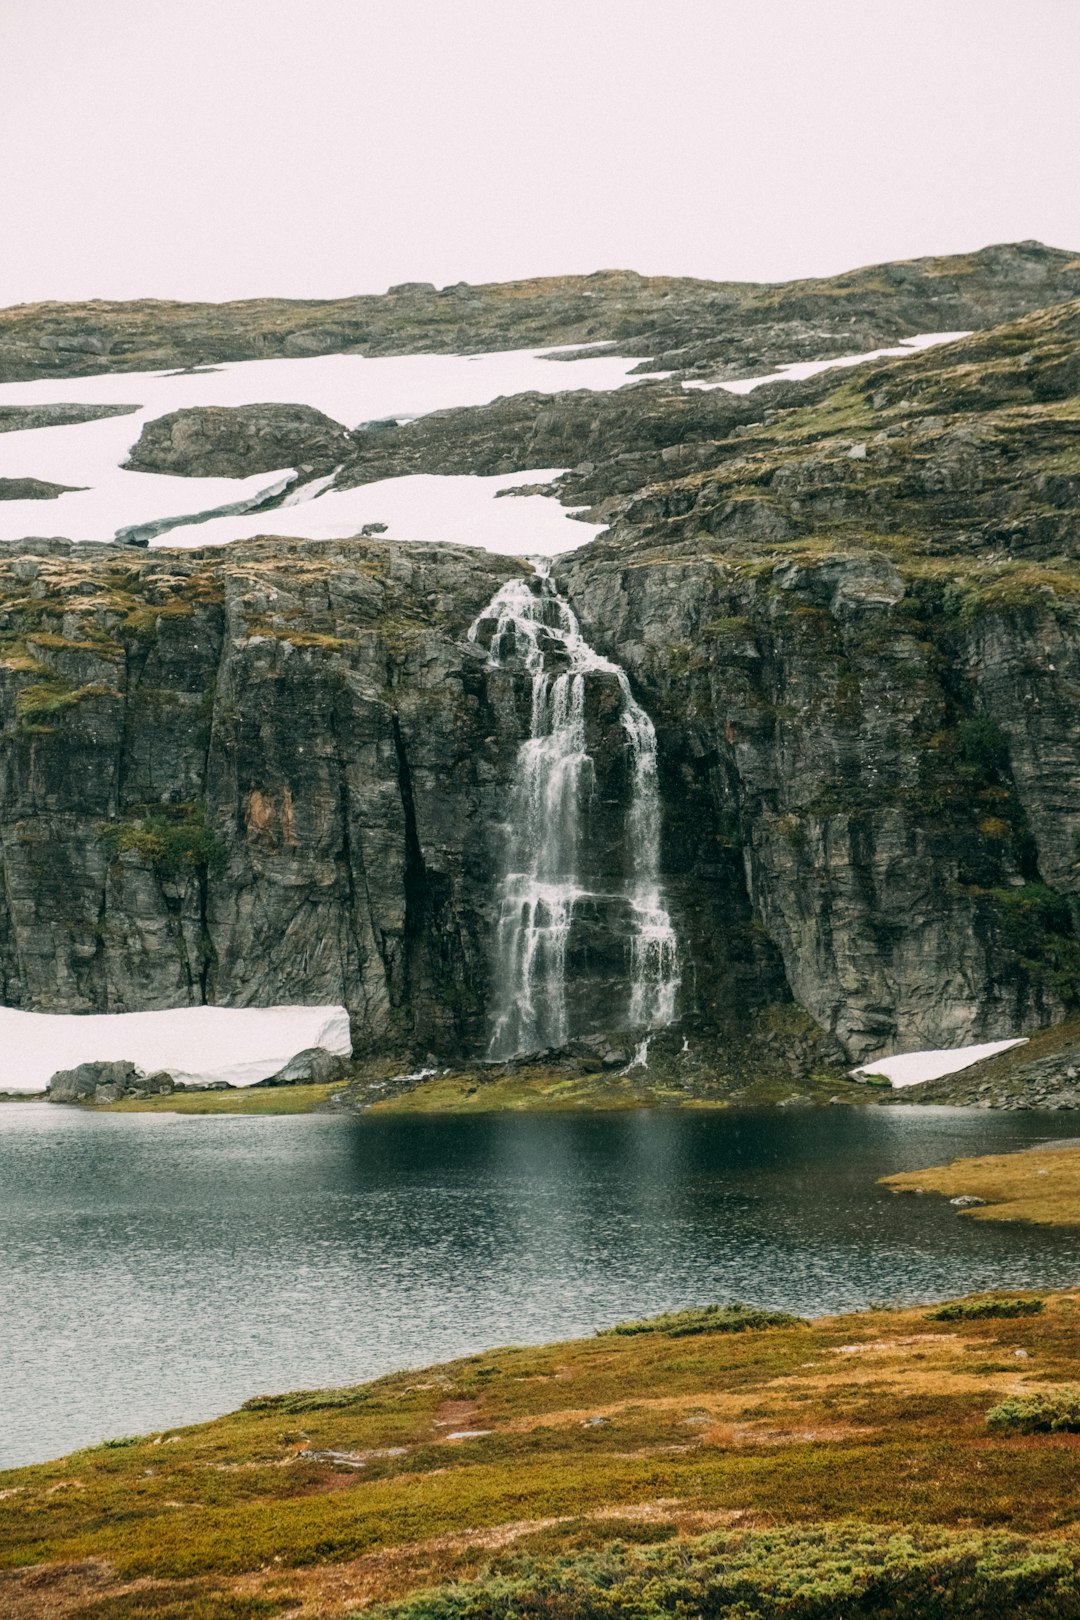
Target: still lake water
158 1269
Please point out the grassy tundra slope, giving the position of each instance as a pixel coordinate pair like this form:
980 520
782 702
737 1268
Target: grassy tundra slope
840 1466
1041 1186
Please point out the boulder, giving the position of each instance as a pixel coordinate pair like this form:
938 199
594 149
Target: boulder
315 1063
112 1080
234 441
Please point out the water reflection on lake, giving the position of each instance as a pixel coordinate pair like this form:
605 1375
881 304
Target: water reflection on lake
158 1269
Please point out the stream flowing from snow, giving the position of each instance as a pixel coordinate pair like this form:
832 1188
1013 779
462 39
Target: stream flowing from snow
533 628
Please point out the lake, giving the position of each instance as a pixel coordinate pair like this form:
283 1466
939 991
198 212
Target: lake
158 1269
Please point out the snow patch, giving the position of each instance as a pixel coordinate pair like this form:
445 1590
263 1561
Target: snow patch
912 1068
347 387
459 509
798 370
196 1045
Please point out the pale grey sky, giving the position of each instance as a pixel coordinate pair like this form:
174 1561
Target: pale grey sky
231 148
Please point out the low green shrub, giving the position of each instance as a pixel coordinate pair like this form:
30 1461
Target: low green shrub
1057 1412
818 1573
737 1318
174 839
971 1310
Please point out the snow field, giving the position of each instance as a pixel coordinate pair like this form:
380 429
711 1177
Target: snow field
195 1045
912 1068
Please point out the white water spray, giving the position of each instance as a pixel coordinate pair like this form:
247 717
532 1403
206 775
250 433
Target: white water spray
533 628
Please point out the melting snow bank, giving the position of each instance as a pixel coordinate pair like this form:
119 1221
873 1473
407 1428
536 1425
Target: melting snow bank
198 1046
912 1068
460 509
798 370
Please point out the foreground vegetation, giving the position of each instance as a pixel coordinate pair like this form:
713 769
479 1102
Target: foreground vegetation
1041 1186
841 1466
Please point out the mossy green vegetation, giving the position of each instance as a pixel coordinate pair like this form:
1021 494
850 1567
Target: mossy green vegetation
298 1099
537 1465
975 1310
530 1088
736 1318
173 839
1046 1412
547 1088
41 702
848 1569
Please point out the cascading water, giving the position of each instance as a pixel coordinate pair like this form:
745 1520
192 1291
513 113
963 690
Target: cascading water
532 628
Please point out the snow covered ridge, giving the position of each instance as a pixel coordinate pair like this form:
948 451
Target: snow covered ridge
109 499
196 1045
798 370
912 1068
346 387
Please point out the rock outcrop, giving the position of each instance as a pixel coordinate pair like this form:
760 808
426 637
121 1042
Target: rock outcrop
100 1082
31 489
17 418
237 441
314 1064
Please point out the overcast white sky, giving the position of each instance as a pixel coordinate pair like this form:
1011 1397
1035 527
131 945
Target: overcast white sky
231 148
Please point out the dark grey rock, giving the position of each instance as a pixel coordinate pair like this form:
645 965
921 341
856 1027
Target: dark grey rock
237 441
88 1079
315 1063
17 418
31 489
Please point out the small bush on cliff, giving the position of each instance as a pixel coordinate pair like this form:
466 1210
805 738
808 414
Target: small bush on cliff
174 841
43 700
737 1318
1057 1412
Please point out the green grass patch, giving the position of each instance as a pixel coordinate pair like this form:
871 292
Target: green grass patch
299 1099
736 1318
174 840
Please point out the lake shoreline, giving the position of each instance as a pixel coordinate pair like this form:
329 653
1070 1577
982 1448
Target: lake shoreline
779 1441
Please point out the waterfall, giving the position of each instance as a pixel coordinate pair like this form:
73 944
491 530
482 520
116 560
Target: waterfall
531 628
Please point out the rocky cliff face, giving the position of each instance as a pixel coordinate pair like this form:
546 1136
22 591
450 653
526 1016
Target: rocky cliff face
896 782
281 771
270 774
246 779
